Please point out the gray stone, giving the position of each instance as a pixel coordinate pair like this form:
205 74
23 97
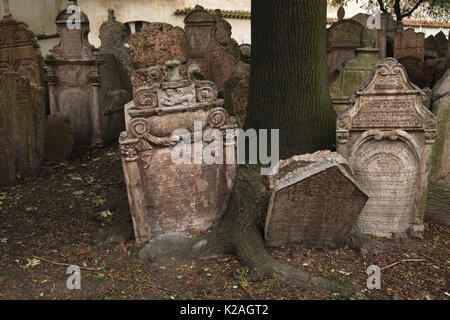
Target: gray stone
387 135
315 201
442 86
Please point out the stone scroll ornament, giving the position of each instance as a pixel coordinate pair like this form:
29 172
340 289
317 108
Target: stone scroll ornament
387 135
165 196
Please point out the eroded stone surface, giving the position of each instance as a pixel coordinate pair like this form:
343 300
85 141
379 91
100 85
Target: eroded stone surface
315 201
387 135
165 196
236 90
22 118
409 44
58 138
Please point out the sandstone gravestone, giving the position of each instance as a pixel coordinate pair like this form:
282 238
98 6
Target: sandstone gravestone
58 138
79 86
315 201
22 117
165 196
19 51
222 53
387 135
343 38
415 70
236 90
353 74
199 26
113 36
409 44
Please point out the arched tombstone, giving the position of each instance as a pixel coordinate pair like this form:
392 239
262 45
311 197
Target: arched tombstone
387 135
83 87
199 26
409 44
167 195
343 38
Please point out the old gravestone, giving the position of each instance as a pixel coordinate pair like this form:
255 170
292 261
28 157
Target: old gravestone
222 53
301 213
83 87
199 26
22 118
409 44
343 38
164 196
352 75
387 135
19 51
58 138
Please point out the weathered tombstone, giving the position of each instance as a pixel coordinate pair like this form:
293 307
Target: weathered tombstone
315 201
431 47
353 74
387 135
58 138
199 26
19 51
82 87
22 117
343 38
409 44
443 44
165 196
414 68
113 36
222 53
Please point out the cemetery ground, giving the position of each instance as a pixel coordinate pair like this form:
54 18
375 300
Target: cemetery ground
48 222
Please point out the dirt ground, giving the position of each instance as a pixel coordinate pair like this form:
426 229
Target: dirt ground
48 222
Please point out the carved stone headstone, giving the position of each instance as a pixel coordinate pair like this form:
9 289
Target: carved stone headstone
222 53
199 26
315 201
19 51
58 138
165 196
409 44
236 90
387 135
79 86
22 118
343 38
354 73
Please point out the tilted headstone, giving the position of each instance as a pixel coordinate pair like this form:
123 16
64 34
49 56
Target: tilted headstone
79 87
58 138
387 135
409 44
222 53
343 38
315 201
167 196
354 73
19 51
22 118
199 26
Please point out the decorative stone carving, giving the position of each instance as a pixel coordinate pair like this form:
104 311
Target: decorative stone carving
199 26
83 87
387 135
301 213
22 118
19 51
167 197
354 73
236 90
410 44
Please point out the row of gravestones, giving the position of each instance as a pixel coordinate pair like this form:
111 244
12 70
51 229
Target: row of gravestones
87 90
353 50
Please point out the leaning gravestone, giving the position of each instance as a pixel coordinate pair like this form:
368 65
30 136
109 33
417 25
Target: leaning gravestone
165 196
19 51
387 135
199 26
83 87
343 38
301 213
22 118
